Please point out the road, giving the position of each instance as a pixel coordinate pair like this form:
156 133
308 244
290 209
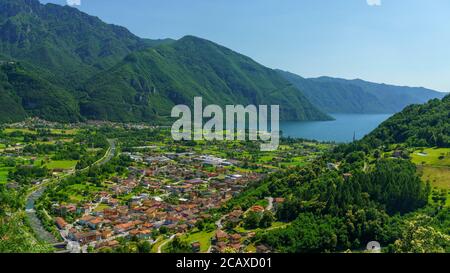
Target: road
38 190
219 222
165 243
270 204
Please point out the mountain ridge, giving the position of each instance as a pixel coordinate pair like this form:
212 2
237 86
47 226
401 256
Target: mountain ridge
336 95
175 73
73 52
76 67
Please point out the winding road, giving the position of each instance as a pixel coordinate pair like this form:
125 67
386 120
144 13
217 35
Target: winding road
37 192
165 243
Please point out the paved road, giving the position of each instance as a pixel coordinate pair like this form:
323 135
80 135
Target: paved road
165 243
35 223
270 204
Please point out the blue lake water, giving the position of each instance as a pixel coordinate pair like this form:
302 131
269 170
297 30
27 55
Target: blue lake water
339 130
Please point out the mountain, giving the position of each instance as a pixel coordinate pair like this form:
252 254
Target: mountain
152 81
23 93
62 41
334 95
103 71
426 125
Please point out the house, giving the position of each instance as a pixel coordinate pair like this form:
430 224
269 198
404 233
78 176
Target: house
262 249
95 223
235 238
332 166
60 222
107 234
120 228
347 176
64 210
234 217
277 202
398 154
195 247
85 220
219 247
221 236
145 234
110 244
257 208
182 228
87 237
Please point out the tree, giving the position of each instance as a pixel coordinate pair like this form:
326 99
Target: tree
266 219
144 247
179 246
251 220
420 237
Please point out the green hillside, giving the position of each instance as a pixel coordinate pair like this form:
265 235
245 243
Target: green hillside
65 43
74 66
334 95
23 93
151 81
362 191
426 125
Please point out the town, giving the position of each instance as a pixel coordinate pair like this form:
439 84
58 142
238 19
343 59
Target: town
125 191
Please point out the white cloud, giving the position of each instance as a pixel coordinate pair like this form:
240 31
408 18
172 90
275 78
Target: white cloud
374 2
74 2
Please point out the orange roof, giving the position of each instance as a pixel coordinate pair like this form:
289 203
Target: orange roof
60 222
96 221
221 234
257 208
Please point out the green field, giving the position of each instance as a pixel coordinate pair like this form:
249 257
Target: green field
434 166
64 131
203 237
79 192
27 131
431 157
275 225
62 164
438 176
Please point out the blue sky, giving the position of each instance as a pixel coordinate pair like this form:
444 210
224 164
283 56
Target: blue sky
404 42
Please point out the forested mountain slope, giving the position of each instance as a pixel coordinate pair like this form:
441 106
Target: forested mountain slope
334 95
103 71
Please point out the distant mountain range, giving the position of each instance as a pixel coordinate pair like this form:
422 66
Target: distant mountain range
334 95
61 64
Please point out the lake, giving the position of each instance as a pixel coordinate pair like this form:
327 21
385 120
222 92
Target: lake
339 130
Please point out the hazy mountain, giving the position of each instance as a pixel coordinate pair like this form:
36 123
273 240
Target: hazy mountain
334 95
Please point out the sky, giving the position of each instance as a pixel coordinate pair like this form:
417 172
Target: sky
402 42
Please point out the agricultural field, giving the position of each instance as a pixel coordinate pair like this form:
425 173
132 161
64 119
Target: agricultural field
434 166
61 164
432 157
438 176
24 131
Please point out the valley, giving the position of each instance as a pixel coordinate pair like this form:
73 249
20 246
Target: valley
89 162
122 187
